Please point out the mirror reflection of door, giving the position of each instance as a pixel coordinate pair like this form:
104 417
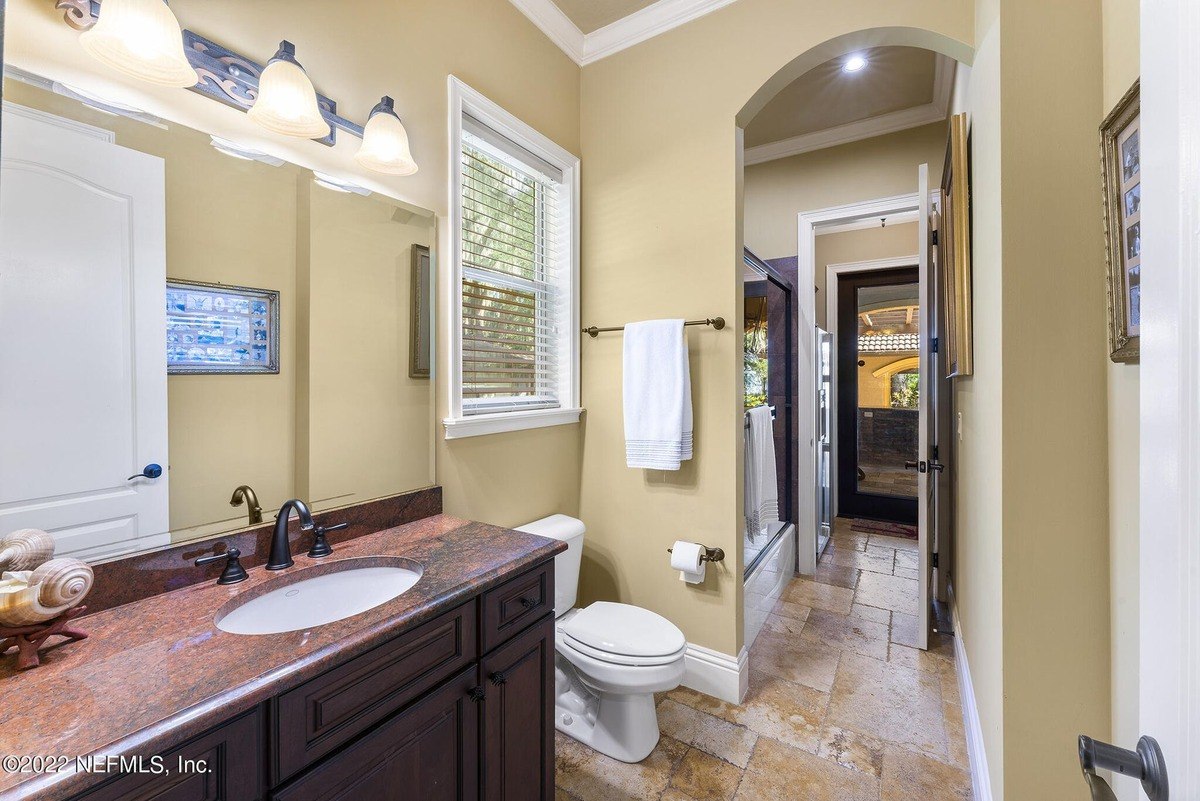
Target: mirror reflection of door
878 394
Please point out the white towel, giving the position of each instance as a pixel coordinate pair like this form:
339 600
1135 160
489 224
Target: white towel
658 395
762 491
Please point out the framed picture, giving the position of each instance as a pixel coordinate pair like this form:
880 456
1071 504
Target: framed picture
1121 154
421 338
216 328
954 250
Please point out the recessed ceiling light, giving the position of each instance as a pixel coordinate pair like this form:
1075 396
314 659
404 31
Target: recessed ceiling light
854 64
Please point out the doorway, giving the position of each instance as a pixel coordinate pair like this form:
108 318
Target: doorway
879 380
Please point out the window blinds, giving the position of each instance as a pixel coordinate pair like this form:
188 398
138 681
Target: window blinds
513 291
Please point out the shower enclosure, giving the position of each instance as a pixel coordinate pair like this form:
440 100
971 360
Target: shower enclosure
769 379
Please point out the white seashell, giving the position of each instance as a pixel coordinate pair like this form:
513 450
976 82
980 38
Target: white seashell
33 597
25 549
63 582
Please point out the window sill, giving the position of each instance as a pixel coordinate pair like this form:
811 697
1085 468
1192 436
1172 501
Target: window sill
479 425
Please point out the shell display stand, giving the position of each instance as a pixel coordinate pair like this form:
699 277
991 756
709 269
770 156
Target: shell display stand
30 639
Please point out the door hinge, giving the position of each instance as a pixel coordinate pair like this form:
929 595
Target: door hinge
933 452
933 560
935 233
933 345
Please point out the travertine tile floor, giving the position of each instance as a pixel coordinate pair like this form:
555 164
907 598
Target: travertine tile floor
841 706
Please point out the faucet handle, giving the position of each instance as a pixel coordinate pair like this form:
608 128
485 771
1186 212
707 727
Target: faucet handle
321 546
233 572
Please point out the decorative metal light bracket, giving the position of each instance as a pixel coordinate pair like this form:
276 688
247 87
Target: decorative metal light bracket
225 75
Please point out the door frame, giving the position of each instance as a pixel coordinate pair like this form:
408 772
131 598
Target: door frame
809 224
832 273
1169 416
873 272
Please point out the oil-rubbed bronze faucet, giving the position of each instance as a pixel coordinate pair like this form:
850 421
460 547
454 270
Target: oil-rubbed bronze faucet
246 493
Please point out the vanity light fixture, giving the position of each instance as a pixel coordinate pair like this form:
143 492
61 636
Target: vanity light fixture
287 101
856 63
385 142
141 39
328 181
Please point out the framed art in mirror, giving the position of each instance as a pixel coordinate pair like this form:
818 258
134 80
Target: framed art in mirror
954 246
215 328
421 351
1121 158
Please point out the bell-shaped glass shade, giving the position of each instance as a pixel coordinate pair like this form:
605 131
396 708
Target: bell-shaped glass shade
141 39
287 102
385 143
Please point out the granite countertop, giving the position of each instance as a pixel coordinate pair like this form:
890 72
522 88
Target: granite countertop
157 672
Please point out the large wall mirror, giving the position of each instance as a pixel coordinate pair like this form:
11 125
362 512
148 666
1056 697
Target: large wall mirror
165 300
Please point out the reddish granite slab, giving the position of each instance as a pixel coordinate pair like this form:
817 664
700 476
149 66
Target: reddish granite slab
133 578
158 671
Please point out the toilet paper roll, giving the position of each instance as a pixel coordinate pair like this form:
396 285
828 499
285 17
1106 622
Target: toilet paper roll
685 557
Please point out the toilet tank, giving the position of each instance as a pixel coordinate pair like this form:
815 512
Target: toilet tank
566 564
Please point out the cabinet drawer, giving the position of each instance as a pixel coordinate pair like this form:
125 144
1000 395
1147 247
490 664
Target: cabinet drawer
515 604
320 715
223 764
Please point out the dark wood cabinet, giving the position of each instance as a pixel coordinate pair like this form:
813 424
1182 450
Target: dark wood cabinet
457 708
223 764
429 752
518 717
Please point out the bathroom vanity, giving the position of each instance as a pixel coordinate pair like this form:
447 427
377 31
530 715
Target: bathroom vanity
443 692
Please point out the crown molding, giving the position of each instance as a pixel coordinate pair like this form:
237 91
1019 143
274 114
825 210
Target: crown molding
893 122
645 24
551 20
639 26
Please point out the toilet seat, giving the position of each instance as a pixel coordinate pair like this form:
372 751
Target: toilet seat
623 634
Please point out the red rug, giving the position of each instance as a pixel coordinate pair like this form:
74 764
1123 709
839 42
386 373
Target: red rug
883 527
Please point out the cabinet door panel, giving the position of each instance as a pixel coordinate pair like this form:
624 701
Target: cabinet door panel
518 717
428 752
232 757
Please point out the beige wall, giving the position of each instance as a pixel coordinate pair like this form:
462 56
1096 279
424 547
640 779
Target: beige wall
661 237
1121 25
868 244
884 166
356 52
1032 464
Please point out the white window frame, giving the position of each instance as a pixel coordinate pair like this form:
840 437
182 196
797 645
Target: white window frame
465 100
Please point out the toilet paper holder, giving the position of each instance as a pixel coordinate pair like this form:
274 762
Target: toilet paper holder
709 555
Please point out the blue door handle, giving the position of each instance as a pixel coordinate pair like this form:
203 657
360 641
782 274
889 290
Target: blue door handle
151 470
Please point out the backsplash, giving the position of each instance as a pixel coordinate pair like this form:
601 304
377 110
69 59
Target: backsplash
133 578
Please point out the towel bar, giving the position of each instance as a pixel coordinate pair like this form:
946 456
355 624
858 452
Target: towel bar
716 322
773 416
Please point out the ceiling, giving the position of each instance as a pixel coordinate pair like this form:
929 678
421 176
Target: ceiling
589 15
900 88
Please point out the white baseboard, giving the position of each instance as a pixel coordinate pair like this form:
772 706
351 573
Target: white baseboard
980 778
714 673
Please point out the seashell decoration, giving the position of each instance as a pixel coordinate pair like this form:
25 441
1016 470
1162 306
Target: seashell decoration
34 596
25 549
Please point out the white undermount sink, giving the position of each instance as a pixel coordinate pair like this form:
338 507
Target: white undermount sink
330 592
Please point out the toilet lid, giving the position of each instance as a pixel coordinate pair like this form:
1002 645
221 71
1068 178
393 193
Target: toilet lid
625 630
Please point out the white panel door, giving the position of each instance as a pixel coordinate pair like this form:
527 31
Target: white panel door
83 386
926 507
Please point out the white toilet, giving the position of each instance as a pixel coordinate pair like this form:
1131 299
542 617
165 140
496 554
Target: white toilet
611 658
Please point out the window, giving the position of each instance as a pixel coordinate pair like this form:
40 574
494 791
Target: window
514 275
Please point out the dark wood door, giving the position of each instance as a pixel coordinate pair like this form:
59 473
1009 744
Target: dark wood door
428 752
224 764
518 717
874 439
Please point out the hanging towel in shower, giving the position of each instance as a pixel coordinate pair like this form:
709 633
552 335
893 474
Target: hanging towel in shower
762 491
658 395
